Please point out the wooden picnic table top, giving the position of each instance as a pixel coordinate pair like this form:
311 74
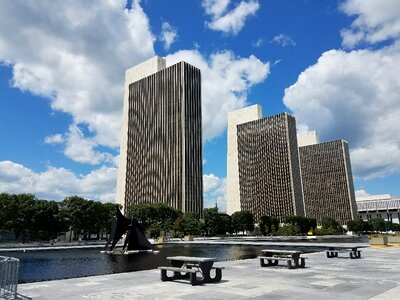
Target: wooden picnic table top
281 251
192 259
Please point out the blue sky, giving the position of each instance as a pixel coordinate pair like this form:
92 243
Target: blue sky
334 65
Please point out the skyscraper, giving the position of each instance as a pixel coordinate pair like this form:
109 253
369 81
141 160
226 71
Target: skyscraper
269 169
161 149
327 181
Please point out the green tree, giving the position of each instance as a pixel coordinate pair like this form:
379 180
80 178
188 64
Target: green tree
303 224
190 224
332 225
268 225
242 221
160 214
108 211
225 224
288 230
377 224
46 220
357 226
144 213
395 227
76 212
211 221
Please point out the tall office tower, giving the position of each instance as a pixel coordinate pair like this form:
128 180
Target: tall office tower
236 117
328 181
161 149
269 168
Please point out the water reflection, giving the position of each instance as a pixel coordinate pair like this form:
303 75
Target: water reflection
62 264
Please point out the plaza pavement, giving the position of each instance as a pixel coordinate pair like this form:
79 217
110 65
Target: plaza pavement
375 276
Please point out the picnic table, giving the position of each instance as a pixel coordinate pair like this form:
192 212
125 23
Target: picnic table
187 267
335 250
273 256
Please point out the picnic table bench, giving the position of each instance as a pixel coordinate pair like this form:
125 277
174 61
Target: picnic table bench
273 256
352 250
187 267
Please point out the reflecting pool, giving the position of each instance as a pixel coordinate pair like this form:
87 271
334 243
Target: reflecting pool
72 263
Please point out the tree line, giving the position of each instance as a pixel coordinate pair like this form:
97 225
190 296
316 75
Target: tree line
372 225
33 219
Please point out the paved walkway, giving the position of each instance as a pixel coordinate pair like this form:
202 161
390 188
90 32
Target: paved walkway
375 276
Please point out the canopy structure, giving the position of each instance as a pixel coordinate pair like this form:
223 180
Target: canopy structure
135 236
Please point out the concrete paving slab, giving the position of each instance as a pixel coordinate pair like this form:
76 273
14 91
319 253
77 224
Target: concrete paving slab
376 275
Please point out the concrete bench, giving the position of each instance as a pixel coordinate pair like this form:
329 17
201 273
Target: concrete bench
179 273
187 267
196 266
354 254
291 263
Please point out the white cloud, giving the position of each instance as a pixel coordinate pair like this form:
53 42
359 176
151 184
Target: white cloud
258 43
283 40
169 35
230 22
226 80
361 193
54 139
81 149
214 192
58 183
375 21
75 53
354 96
215 7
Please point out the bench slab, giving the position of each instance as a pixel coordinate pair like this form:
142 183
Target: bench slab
182 270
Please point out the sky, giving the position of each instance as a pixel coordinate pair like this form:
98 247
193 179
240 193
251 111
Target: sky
334 65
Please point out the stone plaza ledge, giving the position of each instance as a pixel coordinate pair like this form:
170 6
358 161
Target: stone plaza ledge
375 276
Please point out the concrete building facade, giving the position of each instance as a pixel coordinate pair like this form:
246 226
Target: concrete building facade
269 169
161 144
307 138
327 181
379 206
235 118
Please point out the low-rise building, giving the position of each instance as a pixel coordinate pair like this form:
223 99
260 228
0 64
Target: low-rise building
379 206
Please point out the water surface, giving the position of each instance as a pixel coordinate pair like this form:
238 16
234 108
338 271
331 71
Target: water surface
72 263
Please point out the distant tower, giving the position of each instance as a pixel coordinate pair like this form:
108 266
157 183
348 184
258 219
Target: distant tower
328 181
161 149
269 168
236 117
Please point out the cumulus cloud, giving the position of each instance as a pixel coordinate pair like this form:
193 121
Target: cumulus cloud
232 21
215 7
58 183
283 40
214 192
75 54
81 149
169 35
375 21
226 80
354 96
361 193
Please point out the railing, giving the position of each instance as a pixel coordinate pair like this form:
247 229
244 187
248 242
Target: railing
9 268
